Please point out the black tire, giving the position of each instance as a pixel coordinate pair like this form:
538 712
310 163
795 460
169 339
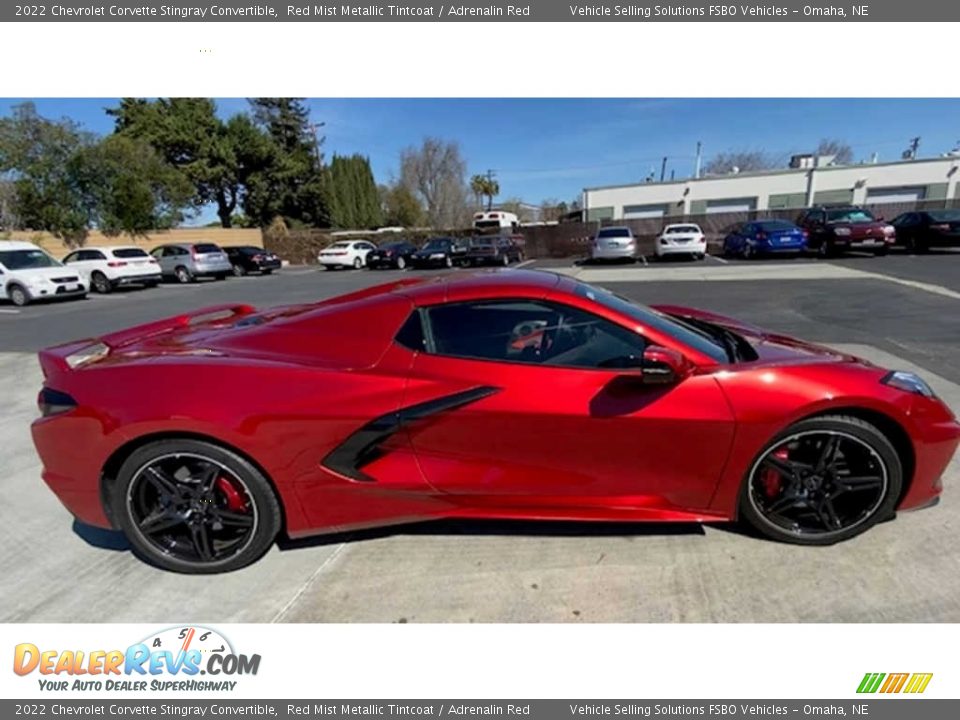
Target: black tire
401 263
328 267
239 270
825 250
18 295
448 261
220 276
747 252
100 283
357 263
881 251
859 435
267 271
131 483
183 276
151 283
505 261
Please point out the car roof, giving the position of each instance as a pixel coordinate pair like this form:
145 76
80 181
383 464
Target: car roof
109 248
496 282
18 245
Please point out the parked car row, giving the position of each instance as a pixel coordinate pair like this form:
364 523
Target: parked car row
826 231
29 273
436 252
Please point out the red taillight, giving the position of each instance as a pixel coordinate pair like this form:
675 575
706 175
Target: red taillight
116 263
806 233
257 258
154 261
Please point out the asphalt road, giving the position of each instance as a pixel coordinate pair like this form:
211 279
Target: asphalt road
908 570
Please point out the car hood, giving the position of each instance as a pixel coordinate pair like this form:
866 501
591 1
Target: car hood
771 348
47 273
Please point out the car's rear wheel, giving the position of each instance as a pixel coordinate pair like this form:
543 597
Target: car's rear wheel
194 507
821 481
183 275
448 261
239 270
100 283
401 263
18 295
825 250
357 263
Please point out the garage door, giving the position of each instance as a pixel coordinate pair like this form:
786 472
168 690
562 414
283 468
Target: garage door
637 212
731 205
895 195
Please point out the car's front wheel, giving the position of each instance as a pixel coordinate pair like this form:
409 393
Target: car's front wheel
239 270
18 295
194 507
822 480
401 263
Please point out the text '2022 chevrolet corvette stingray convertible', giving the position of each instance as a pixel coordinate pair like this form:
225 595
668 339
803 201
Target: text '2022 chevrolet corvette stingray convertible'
496 394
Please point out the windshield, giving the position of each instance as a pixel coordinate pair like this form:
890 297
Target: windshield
651 318
614 232
339 246
945 215
26 259
129 253
481 224
683 229
205 248
436 245
852 215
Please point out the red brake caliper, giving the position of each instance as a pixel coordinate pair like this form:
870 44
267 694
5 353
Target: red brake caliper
772 480
233 495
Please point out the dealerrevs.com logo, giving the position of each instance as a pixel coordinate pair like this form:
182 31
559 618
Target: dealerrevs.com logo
909 683
183 658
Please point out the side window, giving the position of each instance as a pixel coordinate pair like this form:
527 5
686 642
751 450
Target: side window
525 331
411 333
72 257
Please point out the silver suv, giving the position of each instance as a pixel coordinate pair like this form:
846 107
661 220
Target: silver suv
188 261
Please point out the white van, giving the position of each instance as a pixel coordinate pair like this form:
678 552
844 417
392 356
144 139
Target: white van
28 273
492 220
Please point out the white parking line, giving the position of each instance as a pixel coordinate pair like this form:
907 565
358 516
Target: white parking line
9 311
524 263
718 259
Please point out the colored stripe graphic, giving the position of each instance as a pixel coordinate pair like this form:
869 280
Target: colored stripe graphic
894 683
870 682
918 682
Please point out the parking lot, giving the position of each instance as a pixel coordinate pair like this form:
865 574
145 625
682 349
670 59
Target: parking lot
899 311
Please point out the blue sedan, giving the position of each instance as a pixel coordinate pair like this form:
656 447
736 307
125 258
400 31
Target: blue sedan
763 237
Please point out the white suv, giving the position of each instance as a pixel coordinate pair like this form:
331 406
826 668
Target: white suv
104 268
682 239
28 273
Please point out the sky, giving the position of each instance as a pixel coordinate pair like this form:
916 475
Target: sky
553 148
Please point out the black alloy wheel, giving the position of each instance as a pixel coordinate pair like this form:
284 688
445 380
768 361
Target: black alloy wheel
193 507
822 481
100 283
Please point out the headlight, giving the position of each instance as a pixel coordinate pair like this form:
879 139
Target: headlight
908 382
842 232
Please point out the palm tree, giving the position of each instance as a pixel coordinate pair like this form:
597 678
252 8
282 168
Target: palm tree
484 186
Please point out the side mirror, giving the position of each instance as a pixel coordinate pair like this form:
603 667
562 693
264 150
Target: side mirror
662 366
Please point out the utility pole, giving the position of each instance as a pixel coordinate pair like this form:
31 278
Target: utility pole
696 170
911 152
317 141
491 175
663 168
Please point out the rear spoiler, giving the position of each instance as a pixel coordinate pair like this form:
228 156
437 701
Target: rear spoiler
70 356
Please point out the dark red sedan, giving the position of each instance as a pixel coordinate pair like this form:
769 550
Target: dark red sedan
495 394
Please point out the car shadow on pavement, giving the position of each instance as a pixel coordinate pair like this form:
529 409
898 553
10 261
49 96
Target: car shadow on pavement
503 528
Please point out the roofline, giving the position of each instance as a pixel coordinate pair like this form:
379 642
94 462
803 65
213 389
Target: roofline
776 171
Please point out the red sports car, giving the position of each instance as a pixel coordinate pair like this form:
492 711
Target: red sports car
495 394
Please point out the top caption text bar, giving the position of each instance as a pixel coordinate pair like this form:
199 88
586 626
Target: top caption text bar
521 11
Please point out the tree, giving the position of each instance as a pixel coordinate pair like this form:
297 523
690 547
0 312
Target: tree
435 172
401 207
216 157
293 183
841 151
354 201
739 161
132 189
40 161
484 186
552 210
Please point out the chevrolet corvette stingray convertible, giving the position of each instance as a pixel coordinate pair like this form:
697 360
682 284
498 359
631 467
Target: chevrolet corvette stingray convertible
495 394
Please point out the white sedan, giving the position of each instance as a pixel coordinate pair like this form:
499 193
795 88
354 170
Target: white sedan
682 239
346 253
105 268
